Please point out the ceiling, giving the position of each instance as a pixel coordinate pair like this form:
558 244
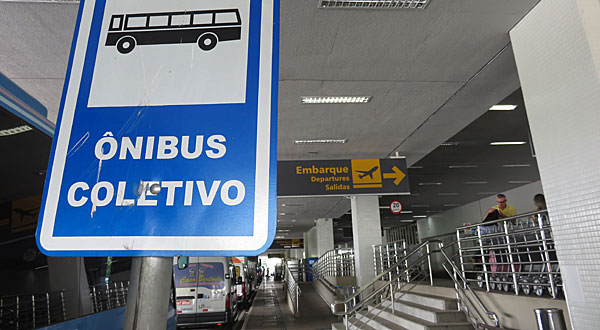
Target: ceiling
483 170
430 73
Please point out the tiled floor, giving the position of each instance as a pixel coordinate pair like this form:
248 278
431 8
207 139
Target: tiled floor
270 310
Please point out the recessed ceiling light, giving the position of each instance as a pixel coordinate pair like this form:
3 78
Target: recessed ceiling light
448 194
375 4
449 144
419 216
420 205
15 130
335 99
519 181
503 107
476 182
430 183
451 205
321 141
507 143
516 165
463 166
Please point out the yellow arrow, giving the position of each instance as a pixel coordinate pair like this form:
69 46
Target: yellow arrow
397 175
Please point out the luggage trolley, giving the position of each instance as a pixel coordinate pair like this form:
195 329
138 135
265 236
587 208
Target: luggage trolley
518 254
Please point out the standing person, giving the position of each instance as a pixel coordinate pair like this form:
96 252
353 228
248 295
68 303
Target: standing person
500 210
540 202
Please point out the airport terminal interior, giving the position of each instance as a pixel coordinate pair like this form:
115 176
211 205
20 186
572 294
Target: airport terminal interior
429 164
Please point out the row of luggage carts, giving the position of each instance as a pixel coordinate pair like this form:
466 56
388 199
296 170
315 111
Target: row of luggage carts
514 254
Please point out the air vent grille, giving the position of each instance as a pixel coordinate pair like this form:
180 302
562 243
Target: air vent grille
375 4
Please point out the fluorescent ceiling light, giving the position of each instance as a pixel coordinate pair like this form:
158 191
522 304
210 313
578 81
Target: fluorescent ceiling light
290 205
279 236
448 194
449 144
321 141
487 193
283 230
463 166
397 155
503 107
411 221
507 143
518 181
420 205
430 183
15 130
335 99
516 165
476 182
451 205
375 4
407 212
419 216
434 211
416 167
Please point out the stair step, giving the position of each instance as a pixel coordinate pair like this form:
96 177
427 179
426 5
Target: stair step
427 313
376 322
438 302
415 323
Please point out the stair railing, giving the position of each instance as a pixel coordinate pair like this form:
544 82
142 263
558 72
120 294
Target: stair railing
415 267
333 263
293 289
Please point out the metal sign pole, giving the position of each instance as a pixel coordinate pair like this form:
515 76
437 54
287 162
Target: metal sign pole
148 297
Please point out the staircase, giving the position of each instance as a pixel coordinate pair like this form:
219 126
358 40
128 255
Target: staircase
388 302
411 311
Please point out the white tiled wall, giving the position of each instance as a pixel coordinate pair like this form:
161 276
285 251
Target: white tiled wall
557 52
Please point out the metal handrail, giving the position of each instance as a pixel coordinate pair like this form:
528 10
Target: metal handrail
336 262
402 264
293 289
384 274
516 252
518 216
456 273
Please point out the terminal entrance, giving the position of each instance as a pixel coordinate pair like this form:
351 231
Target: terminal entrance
421 165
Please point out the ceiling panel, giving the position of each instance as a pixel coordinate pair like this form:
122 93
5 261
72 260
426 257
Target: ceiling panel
372 129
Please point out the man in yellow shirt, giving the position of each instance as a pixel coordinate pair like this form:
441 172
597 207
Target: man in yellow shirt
504 210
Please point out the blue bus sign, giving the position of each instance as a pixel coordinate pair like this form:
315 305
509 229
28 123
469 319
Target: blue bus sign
166 138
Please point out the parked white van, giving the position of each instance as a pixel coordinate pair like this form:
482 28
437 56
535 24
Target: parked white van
205 291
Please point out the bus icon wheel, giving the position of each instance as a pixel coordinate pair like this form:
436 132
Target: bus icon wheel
207 41
126 44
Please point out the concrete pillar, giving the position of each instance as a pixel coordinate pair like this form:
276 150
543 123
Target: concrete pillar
310 244
69 274
324 229
366 232
557 51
